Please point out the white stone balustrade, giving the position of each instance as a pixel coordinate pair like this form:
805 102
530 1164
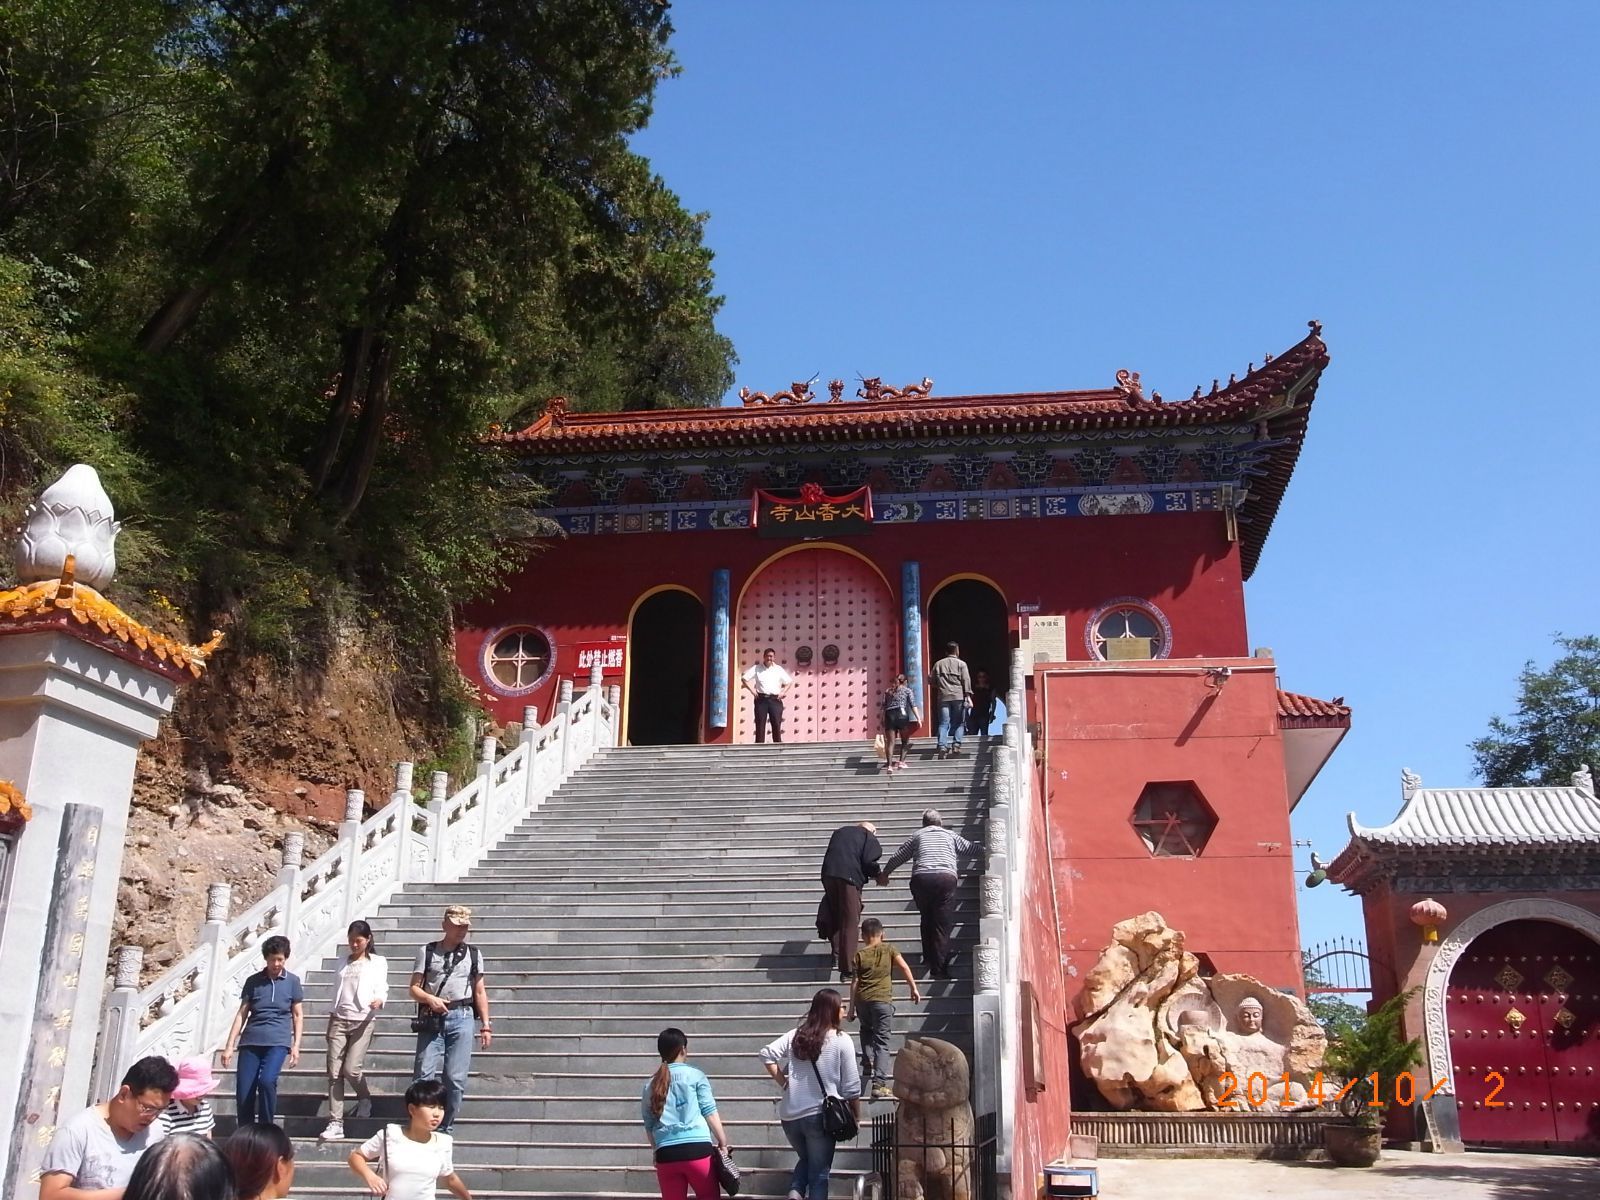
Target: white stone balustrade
996 1007
187 1010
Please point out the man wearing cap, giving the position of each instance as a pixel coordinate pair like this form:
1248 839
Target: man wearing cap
452 1005
190 1111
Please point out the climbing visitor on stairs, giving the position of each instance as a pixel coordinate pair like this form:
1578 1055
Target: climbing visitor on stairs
266 1030
680 1118
361 992
813 1060
452 1006
849 861
899 719
262 1158
934 853
412 1158
952 696
872 999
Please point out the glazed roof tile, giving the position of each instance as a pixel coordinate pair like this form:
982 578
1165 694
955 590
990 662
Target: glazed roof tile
1307 712
1519 816
64 604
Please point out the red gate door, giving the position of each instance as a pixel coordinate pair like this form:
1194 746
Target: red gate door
831 619
1524 1028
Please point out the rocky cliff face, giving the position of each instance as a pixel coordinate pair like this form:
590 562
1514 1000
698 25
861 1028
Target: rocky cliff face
251 752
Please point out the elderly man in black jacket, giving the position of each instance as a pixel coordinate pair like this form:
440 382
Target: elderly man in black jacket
851 859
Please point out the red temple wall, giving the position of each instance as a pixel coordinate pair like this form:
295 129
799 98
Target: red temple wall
584 588
1111 730
1043 1114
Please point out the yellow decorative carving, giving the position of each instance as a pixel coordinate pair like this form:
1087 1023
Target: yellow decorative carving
1564 1017
54 601
1508 978
1558 978
1515 1019
11 801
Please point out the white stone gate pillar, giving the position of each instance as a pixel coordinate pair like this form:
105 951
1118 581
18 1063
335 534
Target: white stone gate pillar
81 686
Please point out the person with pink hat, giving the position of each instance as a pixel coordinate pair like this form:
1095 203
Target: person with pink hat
190 1111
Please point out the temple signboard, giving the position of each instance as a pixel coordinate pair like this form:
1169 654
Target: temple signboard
809 512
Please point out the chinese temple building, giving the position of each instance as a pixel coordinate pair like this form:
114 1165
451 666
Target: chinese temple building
1107 533
1487 901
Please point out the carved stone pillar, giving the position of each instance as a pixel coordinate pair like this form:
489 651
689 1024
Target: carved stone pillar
911 625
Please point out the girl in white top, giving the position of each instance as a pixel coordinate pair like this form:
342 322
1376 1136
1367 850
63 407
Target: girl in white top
361 992
811 1060
412 1159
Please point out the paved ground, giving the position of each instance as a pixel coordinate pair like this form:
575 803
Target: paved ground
1399 1175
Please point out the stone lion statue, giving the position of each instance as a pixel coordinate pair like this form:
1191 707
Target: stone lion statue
934 1125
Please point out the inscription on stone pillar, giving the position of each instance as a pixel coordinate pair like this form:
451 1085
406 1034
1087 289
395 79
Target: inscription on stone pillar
60 967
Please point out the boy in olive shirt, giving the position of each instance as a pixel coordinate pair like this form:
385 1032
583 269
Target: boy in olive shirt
872 995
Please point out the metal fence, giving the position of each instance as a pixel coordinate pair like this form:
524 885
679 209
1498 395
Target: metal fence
970 1165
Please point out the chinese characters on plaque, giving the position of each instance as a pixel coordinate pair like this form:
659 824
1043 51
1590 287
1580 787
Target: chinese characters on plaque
810 512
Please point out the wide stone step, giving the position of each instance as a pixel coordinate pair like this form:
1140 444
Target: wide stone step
401 940
628 1035
524 1005
303 1112
500 922
507 1077
487 1180
326 1162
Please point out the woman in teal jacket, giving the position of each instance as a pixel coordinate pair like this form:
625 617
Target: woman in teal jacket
680 1115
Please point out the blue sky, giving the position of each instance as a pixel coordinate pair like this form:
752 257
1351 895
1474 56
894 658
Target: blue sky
1016 196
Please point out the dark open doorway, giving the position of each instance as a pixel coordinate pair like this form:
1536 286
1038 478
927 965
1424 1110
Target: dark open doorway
666 670
972 613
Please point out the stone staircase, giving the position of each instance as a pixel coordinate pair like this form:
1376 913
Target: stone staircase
659 886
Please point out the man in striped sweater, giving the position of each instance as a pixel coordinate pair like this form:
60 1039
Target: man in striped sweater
933 852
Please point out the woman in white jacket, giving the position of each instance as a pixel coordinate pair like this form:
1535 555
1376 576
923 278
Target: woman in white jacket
814 1059
361 990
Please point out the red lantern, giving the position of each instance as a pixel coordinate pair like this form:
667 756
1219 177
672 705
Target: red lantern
1429 914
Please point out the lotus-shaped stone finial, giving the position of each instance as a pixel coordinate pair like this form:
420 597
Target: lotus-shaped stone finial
72 517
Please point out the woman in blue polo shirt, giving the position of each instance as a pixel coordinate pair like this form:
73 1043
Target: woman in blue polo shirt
266 1031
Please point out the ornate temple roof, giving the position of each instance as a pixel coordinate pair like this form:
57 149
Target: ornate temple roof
1307 712
1442 822
75 607
1275 397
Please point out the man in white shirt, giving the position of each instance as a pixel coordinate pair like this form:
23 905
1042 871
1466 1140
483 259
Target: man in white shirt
767 683
92 1155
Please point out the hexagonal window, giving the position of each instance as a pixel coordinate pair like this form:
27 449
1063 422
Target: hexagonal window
1173 819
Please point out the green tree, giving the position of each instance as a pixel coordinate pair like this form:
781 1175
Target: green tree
1556 728
1374 1045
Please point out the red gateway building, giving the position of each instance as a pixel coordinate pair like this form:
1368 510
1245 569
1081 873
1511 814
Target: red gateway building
1107 532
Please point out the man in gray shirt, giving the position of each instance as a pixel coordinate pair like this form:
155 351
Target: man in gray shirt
94 1153
952 694
452 1006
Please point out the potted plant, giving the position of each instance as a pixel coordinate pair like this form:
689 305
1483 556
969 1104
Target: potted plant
1372 1053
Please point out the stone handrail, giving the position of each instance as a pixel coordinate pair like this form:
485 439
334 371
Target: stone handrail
188 1009
996 996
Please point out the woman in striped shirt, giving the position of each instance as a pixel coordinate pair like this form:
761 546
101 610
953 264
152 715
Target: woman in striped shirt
190 1111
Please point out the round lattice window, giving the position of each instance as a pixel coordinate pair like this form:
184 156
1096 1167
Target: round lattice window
1128 629
517 659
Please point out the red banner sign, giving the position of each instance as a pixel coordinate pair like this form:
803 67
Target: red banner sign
609 656
811 512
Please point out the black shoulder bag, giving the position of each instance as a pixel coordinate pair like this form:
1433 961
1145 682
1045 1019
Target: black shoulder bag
427 1021
838 1120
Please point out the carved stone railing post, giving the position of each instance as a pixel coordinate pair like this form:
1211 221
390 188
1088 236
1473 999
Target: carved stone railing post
355 807
596 677
530 744
294 851
215 1010
120 1023
439 793
486 805
402 781
564 715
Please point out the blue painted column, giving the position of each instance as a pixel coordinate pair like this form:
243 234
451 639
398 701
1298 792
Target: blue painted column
720 593
911 623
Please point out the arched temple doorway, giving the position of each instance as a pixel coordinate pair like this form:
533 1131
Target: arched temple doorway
666 669
1522 1011
972 613
831 619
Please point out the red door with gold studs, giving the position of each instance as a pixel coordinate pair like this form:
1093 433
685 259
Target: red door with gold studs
1523 1013
831 618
